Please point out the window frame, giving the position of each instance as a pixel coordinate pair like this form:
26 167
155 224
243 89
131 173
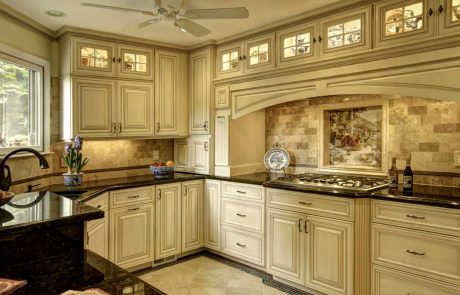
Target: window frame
43 80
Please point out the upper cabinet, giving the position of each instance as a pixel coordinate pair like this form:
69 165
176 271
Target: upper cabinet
93 57
449 16
297 45
399 22
252 56
135 62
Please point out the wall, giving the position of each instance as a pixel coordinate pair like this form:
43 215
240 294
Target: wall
426 129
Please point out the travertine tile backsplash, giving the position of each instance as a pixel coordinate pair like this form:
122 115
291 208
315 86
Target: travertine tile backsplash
426 129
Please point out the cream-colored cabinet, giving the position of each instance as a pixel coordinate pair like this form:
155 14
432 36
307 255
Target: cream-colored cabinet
449 16
171 94
104 108
135 62
329 266
200 153
201 69
168 220
251 56
212 227
97 236
297 45
192 215
400 22
181 154
221 142
131 235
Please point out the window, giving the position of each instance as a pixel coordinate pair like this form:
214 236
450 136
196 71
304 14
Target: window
404 19
135 62
230 60
258 54
455 10
344 33
21 104
296 45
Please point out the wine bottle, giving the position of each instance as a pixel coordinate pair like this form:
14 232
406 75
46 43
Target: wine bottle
408 179
393 173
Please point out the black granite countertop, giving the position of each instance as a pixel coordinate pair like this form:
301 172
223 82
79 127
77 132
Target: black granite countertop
253 178
35 209
55 275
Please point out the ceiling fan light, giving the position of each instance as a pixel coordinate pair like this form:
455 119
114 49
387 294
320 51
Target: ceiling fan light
183 30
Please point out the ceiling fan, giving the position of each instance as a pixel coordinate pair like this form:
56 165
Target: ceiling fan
181 17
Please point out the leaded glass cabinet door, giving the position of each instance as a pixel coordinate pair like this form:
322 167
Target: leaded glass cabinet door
297 45
259 54
402 22
93 57
449 16
135 62
345 34
229 60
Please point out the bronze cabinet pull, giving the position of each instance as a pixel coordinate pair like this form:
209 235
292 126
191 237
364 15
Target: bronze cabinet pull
113 59
320 39
133 197
305 203
441 9
119 127
114 127
241 245
314 40
306 226
133 209
300 226
206 146
241 192
415 253
414 216
241 215
205 126
430 12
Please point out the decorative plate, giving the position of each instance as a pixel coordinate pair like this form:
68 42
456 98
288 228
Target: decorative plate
276 159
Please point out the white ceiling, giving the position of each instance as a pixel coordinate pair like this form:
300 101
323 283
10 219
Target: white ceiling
261 13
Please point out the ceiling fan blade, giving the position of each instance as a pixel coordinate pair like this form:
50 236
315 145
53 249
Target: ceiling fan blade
117 8
218 13
146 23
192 27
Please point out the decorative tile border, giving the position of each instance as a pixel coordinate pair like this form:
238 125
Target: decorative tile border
267 279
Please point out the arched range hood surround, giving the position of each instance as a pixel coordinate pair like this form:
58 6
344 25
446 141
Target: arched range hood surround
431 74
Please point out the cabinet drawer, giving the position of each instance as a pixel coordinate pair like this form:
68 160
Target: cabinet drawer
323 205
391 282
131 196
417 216
418 252
243 215
242 191
243 245
100 202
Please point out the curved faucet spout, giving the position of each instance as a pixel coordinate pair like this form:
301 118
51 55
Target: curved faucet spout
5 179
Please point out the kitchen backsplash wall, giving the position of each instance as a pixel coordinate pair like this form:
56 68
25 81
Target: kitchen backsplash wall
426 129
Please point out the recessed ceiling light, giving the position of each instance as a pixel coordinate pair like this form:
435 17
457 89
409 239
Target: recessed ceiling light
55 13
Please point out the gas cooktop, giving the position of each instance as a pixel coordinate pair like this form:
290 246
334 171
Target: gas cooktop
333 182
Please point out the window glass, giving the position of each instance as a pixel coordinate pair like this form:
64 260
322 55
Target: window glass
343 34
296 45
94 57
404 19
258 54
230 61
135 62
455 10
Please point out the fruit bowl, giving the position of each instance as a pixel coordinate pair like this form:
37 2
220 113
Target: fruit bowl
161 172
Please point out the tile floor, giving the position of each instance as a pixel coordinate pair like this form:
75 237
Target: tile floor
204 276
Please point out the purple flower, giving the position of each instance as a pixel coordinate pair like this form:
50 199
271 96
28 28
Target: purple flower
67 147
78 143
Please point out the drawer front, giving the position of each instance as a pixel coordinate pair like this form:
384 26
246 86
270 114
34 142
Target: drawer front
418 252
100 202
417 216
243 245
322 205
243 215
386 281
131 196
242 191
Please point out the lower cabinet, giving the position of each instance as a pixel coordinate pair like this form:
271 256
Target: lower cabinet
192 215
168 220
131 235
212 200
97 236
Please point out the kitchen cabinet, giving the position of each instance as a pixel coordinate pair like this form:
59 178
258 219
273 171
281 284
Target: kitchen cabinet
181 154
168 220
192 215
401 22
297 45
97 231
200 153
222 130
254 55
201 71
135 62
131 235
171 94
212 227
106 109
449 16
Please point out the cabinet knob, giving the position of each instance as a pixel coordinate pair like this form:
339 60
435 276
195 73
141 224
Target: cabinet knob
320 39
113 59
119 59
314 40
430 12
441 9
206 124
114 128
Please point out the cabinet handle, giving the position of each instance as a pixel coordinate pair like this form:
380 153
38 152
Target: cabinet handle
205 126
241 192
133 197
119 127
441 9
133 209
158 126
87 238
220 117
314 40
241 215
305 226
414 216
159 195
113 59
241 245
430 12
206 146
320 39
114 127
304 203
119 59
300 226
415 253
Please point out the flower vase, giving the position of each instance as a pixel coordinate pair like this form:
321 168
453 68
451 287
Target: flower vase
73 179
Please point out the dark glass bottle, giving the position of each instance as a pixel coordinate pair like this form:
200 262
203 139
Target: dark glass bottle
408 179
393 174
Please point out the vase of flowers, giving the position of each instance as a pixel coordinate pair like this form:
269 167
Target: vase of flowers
73 159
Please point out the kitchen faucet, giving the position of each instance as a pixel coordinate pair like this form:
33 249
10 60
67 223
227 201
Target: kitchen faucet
5 180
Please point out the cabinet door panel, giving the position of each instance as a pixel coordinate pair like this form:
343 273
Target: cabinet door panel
329 256
135 62
135 111
199 154
222 140
259 54
212 225
449 18
286 244
229 61
168 220
94 108
181 155
131 235
93 58
97 236
200 95
192 215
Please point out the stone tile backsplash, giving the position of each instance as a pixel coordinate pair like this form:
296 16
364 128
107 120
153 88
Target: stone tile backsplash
426 129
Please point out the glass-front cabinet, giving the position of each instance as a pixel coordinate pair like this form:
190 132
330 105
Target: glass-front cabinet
94 57
135 62
296 45
229 60
449 16
402 21
346 34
